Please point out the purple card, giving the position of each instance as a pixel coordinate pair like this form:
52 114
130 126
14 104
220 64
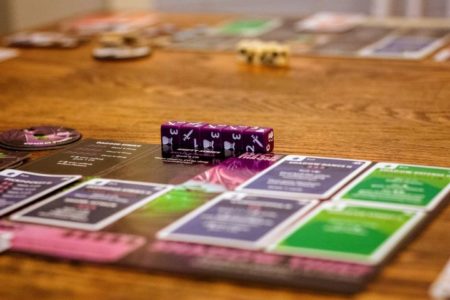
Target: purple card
237 220
18 188
93 204
305 176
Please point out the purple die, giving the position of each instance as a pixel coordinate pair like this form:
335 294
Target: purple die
190 135
170 136
211 138
258 140
233 140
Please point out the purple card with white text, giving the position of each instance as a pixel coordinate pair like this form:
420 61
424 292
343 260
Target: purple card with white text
237 220
18 188
306 176
92 205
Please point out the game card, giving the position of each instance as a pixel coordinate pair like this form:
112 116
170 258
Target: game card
399 185
237 220
247 27
346 232
232 172
408 44
10 159
92 205
305 176
329 22
18 188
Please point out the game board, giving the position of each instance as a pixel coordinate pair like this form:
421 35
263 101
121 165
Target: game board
134 240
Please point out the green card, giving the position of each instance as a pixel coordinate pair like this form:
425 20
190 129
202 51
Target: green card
248 27
348 232
405 186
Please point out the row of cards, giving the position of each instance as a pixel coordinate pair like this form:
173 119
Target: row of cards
322 34
91 205
340 231
384 184
276 210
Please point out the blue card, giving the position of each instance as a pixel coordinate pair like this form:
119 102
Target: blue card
305 176
18 188
93 204
237 220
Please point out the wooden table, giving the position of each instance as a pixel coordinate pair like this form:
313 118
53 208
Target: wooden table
352 108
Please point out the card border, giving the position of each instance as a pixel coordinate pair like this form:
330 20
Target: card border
20 215
434 202
325 195
27 200
264 241
378 255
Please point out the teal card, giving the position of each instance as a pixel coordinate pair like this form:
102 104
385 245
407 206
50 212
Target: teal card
347 232
398 185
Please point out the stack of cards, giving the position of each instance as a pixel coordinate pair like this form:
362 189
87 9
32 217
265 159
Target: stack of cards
237 220
399 185
93 204
18 188
353 233
305 176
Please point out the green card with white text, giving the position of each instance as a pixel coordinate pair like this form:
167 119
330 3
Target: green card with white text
406 186
349 232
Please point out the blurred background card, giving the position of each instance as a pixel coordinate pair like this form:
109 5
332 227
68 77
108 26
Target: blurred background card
414 43
329 22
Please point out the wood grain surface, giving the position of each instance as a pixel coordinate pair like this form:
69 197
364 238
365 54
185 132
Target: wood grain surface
378 110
